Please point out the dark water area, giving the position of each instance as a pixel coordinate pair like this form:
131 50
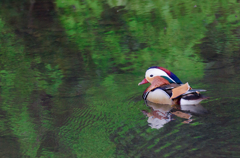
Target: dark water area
69 74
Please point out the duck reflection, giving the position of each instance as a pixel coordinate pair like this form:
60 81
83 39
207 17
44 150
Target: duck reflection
161 114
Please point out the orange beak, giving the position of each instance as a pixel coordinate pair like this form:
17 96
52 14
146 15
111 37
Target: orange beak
143 81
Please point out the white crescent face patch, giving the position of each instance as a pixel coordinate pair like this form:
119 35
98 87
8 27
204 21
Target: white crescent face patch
156 72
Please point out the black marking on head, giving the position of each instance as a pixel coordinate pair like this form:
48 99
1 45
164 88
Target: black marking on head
167 78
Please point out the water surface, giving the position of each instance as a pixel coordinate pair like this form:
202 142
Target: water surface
69 72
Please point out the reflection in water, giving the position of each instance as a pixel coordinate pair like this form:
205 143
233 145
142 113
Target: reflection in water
161 114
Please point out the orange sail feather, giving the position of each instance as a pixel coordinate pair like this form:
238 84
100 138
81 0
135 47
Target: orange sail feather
180 90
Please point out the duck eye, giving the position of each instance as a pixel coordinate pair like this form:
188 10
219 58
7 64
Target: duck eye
151 75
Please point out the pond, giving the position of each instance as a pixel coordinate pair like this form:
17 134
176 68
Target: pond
69 73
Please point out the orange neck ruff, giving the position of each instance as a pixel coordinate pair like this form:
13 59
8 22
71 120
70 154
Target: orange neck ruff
157 82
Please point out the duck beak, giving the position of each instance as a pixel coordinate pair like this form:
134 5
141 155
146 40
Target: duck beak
143 81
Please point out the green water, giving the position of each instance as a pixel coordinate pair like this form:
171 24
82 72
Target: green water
69 74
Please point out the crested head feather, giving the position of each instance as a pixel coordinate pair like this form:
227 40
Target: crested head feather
169 73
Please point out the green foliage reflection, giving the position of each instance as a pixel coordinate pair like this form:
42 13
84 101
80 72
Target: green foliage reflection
140 35
19 80
129 36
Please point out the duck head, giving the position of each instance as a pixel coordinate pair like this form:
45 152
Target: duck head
154 71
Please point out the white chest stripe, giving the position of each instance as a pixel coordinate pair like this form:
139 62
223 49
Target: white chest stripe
159 96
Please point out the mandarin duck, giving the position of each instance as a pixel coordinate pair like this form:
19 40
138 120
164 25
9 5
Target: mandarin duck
166 88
